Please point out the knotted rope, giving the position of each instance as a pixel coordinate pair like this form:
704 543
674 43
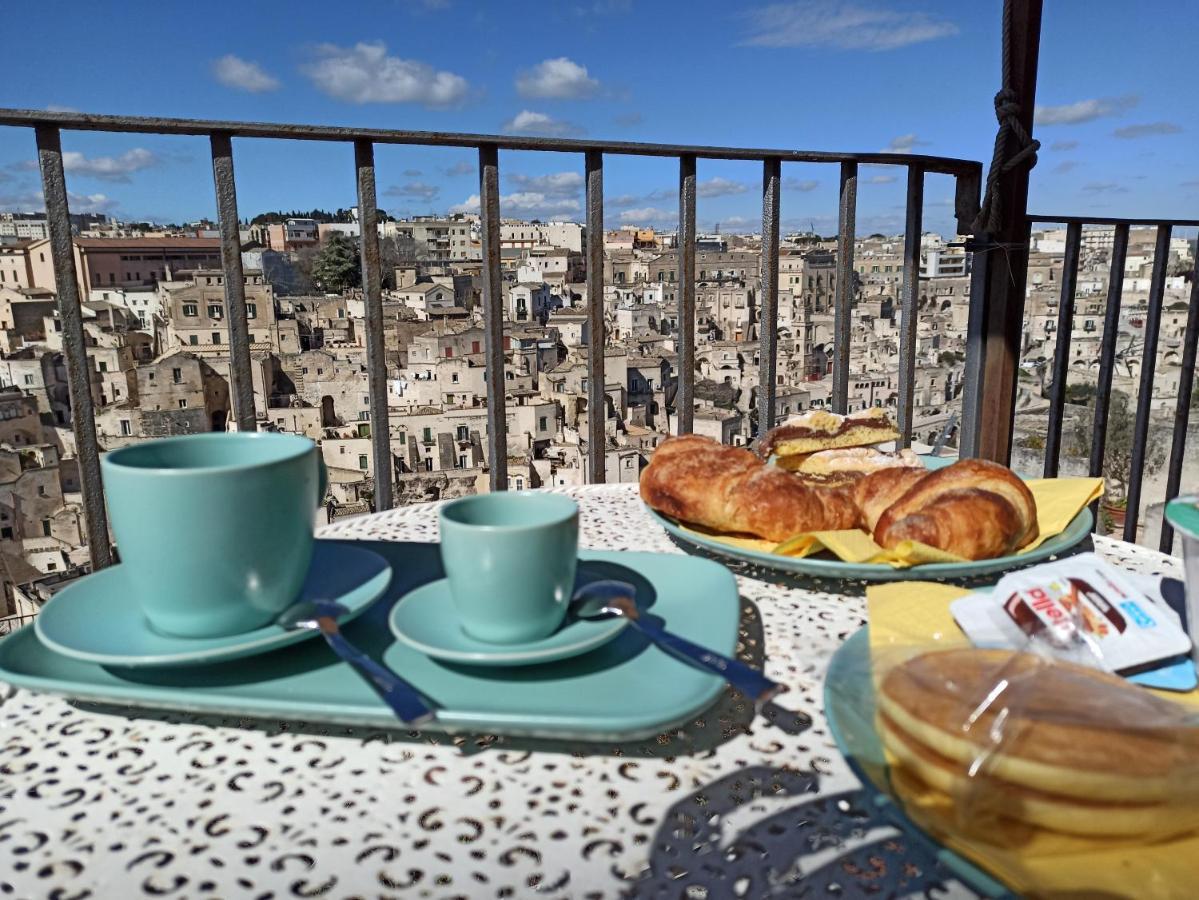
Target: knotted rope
1007 112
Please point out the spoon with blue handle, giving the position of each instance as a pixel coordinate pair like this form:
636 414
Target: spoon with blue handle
604 599
322 616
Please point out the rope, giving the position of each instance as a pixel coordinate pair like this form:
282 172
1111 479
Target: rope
1007 112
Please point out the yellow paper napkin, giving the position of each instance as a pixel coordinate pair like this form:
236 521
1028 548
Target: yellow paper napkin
1059 500
912 616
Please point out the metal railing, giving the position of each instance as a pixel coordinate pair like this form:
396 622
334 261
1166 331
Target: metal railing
49 125
1107 358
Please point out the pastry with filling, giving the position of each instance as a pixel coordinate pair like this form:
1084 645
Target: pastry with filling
818 430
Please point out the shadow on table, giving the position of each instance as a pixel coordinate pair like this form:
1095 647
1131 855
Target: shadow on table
833 845
727 718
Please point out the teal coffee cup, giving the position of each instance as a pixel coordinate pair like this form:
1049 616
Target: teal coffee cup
510 560
214 530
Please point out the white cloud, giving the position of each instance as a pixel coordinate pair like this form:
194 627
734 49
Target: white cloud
55 107
558 184
645 214
720 187
622 200
1066 165
242 74
412 173
1084 110
1130 132
109 168
802 185
528 122
904 144
416 190
365 73
557 79
32 201
880 179
843 25
629 119
526 205
1063 145
1104 187
460 168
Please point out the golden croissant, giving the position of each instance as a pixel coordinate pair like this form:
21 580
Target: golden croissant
972 508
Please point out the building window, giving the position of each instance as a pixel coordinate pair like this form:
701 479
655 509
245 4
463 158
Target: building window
542 423
304 370
403 438
463 433
453 377
103 366
214 310
362 461
126 427
193 339
190 309
177 375
364 415
29 379
183 404
46 527
429 464
216 337
41 490
449 352
251 310
428 435
520 483
474 346
462 462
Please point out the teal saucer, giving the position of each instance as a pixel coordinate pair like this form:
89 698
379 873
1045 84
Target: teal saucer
425 620
96 619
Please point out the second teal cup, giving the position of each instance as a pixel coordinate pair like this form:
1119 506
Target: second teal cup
214 530
510 560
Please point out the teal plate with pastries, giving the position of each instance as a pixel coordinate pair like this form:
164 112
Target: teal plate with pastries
830 567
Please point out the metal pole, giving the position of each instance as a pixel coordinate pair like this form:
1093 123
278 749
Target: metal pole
83 419
241 382
1182 408
493 316
684 402
842 325
597 396
1061 353
372 294
909 302
768 309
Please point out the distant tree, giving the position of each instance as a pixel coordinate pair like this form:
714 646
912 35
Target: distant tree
336 265
1080 394
1117 450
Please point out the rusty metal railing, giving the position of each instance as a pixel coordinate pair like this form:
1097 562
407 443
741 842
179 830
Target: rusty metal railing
221 135
1107 358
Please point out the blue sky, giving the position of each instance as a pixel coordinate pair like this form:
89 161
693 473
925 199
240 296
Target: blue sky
1120 128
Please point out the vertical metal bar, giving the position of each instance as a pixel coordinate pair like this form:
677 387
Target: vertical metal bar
908 303
493 315
241 383
684 403
1182 408
842 323
970 434
1140 435
1107 350
372 295
83 419
1003 296
768 308
597 397
1061 353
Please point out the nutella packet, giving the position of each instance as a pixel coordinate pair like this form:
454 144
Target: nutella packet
1079 609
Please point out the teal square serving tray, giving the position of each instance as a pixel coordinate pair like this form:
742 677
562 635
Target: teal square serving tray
625 690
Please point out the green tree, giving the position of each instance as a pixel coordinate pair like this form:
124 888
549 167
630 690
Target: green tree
1117 451
336 265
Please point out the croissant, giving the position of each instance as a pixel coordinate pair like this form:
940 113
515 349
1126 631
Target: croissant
728 489
973 508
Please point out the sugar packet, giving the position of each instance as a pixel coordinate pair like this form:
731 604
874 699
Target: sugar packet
1080 609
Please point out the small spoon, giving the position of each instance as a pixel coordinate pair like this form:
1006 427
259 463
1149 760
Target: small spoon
604 599
322 616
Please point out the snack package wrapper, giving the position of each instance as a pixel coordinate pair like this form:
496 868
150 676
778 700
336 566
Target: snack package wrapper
1041 766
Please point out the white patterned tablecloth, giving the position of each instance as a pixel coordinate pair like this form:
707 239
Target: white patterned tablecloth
125 804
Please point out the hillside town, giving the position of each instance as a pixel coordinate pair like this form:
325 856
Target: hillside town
157 337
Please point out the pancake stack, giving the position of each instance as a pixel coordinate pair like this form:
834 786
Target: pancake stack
1045 744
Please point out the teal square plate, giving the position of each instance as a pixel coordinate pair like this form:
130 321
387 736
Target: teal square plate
830 567
849 710
625 690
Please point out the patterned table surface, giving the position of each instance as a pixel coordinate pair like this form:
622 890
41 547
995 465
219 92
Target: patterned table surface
115 804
